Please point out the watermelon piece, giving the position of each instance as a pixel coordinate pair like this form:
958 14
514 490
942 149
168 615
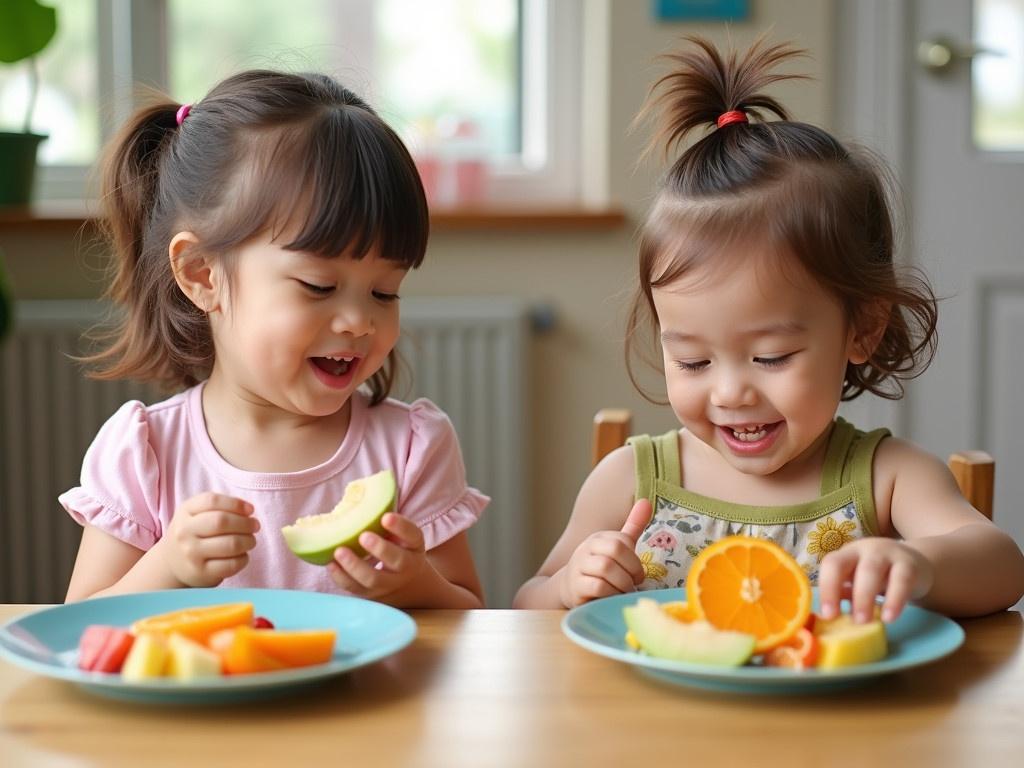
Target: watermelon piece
103 649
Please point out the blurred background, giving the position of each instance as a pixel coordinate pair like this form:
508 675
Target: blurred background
518 113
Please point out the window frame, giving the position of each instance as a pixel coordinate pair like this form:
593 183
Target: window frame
132 48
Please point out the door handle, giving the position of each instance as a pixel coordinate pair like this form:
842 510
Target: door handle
939 54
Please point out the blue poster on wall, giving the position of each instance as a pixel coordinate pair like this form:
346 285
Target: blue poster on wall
701 10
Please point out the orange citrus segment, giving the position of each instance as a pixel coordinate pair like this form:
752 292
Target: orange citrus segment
196 623
679 610
749 585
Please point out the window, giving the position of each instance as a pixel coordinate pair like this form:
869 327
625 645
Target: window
998 77
471 85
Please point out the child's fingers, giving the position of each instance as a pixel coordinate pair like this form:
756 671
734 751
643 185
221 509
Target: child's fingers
614 547
225 567
836 570
404 531
637 520
358 569
342 579
393 556
232 545
209 501
592 587
610 572
220 523
897 591
868 583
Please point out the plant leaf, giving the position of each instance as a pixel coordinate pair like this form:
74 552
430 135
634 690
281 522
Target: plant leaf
26 27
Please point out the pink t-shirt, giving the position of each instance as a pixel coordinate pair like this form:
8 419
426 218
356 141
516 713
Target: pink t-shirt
147 460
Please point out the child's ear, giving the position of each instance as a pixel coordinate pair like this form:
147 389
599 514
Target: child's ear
868 328
194 271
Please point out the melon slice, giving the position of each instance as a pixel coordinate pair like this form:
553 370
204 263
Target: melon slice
364 503
697 641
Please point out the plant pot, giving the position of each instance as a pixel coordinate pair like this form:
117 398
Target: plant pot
17 166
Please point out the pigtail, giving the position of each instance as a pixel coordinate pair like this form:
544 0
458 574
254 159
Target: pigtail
702 86
130 190
129 173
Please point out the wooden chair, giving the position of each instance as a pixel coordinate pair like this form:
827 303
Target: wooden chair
974 470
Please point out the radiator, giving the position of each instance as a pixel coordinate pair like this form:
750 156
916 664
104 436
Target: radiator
468 355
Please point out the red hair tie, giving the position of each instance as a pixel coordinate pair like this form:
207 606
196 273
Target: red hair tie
182 113
733 116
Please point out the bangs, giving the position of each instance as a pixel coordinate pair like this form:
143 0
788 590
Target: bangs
339 184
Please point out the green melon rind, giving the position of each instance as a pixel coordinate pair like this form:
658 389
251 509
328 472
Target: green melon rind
322 552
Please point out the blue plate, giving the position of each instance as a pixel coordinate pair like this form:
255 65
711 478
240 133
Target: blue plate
916 637
46 641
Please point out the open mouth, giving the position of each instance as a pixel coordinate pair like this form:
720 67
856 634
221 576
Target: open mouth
751 433
333 366
750 439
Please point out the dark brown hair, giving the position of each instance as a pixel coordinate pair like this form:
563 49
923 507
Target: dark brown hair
264 150
788 184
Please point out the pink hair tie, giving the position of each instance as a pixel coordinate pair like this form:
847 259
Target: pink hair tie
733 116
182 113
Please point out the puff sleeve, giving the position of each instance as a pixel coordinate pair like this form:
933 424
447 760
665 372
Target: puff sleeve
120 483
433 491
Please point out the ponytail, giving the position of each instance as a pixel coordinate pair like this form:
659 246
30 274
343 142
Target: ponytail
129 172
703 86
161 336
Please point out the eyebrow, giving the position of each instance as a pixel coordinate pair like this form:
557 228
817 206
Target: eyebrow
774 329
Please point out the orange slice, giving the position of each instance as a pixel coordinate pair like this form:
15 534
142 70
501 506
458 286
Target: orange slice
750 585
196 623
679 610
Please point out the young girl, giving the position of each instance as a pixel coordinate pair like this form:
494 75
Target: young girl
766 270
261 238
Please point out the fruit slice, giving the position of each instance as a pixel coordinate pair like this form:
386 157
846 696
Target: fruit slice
239 655
196 623
244 649
697 641
103 649
365 501
845 644
147 658
188 660
677 609
799 652
750 585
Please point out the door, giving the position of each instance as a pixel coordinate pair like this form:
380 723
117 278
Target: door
965 178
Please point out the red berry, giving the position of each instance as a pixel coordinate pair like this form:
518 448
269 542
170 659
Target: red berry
261 623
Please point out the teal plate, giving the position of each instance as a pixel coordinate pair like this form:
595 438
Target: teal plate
917 637
46 642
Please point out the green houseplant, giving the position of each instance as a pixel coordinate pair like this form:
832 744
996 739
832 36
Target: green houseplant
26 28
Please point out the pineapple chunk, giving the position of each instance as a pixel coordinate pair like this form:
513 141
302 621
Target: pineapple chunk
189 660
147 658
845 644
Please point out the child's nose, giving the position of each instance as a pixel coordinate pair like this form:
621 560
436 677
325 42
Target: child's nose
353 318
732 391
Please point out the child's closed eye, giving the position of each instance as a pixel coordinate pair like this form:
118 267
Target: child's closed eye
774 362
387 298
317 290
692 366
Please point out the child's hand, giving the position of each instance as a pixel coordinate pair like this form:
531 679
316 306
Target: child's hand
208 539
401 557
606 563
868 567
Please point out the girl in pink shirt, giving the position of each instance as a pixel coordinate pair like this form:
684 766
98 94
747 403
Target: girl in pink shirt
261 237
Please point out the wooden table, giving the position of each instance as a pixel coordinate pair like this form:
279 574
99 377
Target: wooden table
506 688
